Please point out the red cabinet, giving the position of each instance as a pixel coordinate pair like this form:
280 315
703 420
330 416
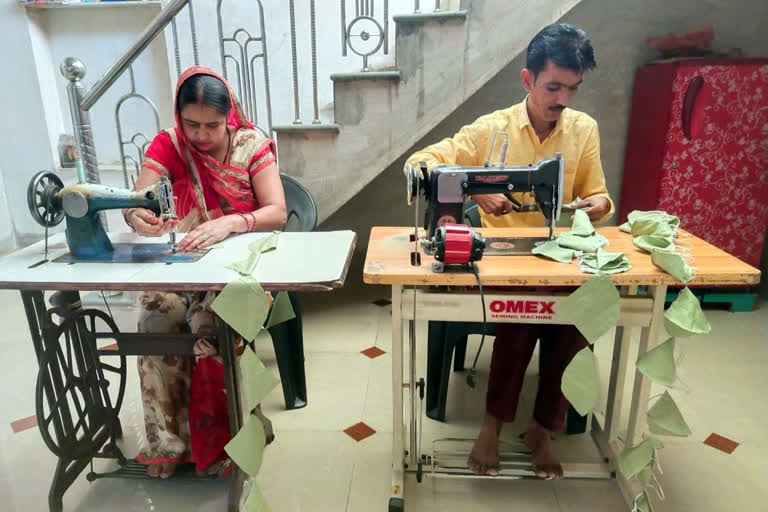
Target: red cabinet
697 148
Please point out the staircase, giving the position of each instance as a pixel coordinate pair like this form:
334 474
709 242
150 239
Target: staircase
441 59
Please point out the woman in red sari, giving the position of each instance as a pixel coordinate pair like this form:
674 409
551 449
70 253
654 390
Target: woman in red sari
225 180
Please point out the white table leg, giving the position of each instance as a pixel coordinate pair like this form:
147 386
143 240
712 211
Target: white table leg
397 495
642 387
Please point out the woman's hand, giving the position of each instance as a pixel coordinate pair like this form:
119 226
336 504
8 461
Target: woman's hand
207 233
147 223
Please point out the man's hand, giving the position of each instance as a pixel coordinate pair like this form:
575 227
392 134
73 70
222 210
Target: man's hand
147 223
207 233
596 207
493 204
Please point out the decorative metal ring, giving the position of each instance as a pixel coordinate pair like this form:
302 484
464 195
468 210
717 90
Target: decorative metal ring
365 35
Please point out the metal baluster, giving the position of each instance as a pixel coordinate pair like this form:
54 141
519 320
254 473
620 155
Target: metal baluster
176 51
313 24
195 55
343 28
386 27
437 5
416 6
297 120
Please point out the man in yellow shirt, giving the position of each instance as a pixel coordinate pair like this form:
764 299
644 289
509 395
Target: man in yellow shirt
538 127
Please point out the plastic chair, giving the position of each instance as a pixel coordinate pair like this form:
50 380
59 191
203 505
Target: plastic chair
288 337
447 341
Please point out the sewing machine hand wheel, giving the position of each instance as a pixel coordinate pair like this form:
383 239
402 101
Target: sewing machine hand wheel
43 199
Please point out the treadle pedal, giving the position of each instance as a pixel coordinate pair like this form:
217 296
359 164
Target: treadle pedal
135 470
449 459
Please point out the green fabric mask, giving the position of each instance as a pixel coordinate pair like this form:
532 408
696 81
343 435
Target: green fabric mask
626 227
603 262
632 461
581 381
650 242
247 448
243 305
659 215
673 264
582 243
553 251
642 503
581 224
684 317
658 364
593 308
657 227
664 418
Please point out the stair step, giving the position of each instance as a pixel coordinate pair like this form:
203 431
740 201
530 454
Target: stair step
424 17
308 127
366 75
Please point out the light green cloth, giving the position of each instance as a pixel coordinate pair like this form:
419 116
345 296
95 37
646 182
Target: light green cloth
656 227
265 244
581 224
243 305
650 242
658 364
593 308
664 418
642 503
581 381
673 264
603 262
582 243
255 501
626 227
553 251
282 310
247 448
248 265
659 215
258 382
684 316
632 461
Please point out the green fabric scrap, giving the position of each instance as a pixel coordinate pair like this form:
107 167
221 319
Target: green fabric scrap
626 227
581 224
593 308
581 381
650 242
582 243
656 227
243 305
257 380
642 503
665 418
255 501
603 262
248 265
282 310
658 215
247 448
684 317
265 244
632 461
673 264
658 364
553 251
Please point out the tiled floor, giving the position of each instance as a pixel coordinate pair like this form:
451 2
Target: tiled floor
315 466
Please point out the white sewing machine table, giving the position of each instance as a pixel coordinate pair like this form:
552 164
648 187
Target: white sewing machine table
315 261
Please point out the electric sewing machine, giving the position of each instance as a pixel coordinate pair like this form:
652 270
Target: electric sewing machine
82 204
446 189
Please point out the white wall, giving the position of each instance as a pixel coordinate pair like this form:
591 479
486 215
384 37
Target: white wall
24 144
98 36
238 14
7 236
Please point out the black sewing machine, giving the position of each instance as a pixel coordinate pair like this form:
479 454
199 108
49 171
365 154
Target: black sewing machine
446 189
82 205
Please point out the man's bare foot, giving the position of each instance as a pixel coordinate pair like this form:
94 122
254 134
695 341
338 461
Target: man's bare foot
545 463
484 459
167 469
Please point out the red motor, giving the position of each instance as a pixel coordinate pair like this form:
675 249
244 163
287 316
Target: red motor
457 244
